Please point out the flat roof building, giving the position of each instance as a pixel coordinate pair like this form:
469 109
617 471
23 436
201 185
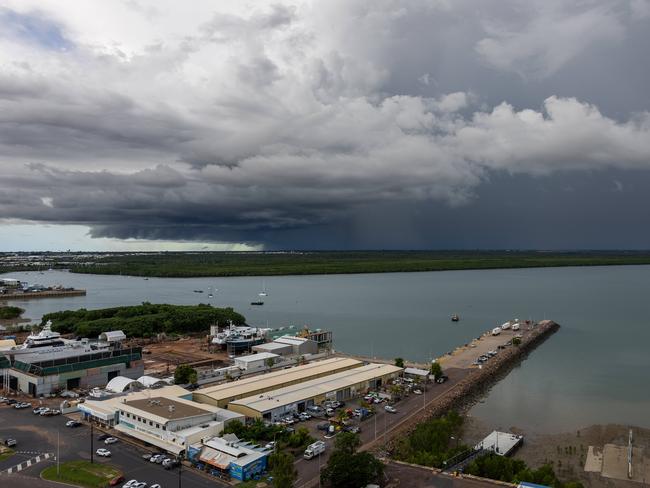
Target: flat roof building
222 395
256 362
227 457
298 397
275 348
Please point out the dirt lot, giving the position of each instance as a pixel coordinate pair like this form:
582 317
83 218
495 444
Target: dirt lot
163 357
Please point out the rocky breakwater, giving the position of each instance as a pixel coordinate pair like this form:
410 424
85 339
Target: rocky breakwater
466 392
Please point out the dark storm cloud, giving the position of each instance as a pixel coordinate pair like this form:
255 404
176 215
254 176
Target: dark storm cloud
297 123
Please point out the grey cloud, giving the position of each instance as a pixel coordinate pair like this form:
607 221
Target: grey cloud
299 118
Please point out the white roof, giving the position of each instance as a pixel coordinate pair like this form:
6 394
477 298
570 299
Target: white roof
120 384
112 336
272 346
319 386
416 371
260 356
292 340
150 381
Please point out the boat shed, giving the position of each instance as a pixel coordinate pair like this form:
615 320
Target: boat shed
275 348
221 395
345 385
228 457
421 374
300 345
151 382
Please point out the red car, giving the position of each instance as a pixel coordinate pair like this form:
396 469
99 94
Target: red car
116 481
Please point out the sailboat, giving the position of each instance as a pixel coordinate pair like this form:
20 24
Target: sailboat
263 292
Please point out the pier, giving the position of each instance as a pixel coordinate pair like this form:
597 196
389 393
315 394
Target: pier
466 384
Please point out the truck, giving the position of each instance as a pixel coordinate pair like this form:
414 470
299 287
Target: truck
314 450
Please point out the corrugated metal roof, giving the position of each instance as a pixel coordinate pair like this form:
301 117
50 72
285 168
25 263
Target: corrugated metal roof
319 386
277 378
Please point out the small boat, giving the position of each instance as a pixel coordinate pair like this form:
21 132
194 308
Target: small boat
263 292
198 291
455 318
210 295
257 302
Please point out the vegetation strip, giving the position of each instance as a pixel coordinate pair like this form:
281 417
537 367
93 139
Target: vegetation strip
214 264
82 473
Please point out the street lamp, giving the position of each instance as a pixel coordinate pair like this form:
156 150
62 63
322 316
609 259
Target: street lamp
180 469
92 447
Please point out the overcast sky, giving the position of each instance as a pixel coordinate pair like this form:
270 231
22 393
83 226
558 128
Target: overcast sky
324 124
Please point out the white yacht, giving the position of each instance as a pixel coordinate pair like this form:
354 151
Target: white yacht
48 345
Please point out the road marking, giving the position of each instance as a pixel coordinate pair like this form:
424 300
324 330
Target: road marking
29 463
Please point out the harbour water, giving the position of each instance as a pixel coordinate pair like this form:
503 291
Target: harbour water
594 370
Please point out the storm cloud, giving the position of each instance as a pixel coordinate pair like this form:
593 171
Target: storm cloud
150 121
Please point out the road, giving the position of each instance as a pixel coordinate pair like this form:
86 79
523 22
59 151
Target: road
38 435
377 426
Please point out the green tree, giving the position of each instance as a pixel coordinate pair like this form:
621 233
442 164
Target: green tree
436 370
399 362
185 374
282 469
348 468
269 362
516 341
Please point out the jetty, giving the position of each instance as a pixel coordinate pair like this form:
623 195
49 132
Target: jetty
468 381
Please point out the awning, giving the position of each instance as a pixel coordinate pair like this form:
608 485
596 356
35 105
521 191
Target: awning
215 458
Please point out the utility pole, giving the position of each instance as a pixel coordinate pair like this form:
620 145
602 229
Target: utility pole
58 456
180 469
92 447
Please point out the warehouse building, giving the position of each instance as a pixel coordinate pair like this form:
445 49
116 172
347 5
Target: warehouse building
256 362
222 395
300 345
274 348
274 404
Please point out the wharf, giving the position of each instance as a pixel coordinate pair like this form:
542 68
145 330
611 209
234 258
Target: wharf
467 383
42 294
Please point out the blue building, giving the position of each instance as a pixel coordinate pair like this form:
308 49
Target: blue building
228 457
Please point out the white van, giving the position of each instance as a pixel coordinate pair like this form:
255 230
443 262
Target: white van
496 331
314 449
515 326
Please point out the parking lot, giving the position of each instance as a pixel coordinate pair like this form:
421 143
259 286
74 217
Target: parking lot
37 435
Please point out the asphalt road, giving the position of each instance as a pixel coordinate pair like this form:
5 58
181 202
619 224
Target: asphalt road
38 435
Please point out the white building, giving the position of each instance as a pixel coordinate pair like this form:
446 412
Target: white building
256 362
300 345
171 424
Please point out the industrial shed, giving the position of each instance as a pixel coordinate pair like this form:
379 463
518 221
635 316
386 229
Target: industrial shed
345 385
222 395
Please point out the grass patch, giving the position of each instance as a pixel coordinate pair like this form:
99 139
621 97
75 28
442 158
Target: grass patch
5 453
82 473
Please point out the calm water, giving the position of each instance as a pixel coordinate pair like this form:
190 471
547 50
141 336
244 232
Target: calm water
595 370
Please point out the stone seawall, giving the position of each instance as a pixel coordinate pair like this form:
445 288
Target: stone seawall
466 392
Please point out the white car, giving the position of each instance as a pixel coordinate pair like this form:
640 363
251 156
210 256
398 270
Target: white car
390 409
155 458
155 485
110 440
270 445
103 452
130 484
44 412
417 392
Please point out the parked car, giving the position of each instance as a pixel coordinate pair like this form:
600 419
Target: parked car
10 442
110 440
130 483
103 437
304 416
155 457
390 409
72 423
161 459
170 463
44 411
38 410
352 428
155 485
270 445
103 452
116 481
323 426
442 379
